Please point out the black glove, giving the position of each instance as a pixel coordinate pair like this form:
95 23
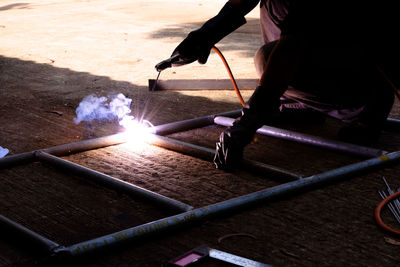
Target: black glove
194 47
260 109
228 152
197 45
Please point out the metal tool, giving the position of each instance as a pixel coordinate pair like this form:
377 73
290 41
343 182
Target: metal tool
234 259
202 252
174 61
155 82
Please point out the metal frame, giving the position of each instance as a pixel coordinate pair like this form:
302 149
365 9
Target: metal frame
188 214
310 139
200 84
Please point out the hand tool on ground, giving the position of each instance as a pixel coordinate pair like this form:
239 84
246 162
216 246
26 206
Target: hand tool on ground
202 252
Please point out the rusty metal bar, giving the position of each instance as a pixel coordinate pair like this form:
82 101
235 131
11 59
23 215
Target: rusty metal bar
112 182
230 205
310 140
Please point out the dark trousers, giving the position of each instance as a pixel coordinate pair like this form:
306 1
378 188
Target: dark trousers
338 81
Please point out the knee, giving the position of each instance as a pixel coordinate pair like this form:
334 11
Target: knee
261 57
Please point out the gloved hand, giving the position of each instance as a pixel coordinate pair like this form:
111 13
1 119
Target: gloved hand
197 45
228 153
194 47
260 109
231 143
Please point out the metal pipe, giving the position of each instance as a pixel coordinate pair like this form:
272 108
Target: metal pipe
310 140
208 154
112 182
38 239
111 140
392 124
231 204
185 125
67 149
12 160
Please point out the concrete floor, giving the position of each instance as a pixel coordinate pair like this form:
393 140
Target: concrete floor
54 53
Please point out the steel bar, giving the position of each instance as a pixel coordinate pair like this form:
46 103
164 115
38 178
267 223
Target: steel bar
201 84
310 140
12 160
110 140
234 259
80 146
184 125
164 129
112 182
392 124
38 239
120 138
208 154
231 204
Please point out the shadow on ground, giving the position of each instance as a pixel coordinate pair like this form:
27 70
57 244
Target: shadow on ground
15 6
244 39
39 101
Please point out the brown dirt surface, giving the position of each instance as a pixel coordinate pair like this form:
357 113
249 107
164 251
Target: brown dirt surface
54 53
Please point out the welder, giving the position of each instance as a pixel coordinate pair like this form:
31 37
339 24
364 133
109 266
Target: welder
316 55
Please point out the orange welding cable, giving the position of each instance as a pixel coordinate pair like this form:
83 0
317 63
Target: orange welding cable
228 69
378 213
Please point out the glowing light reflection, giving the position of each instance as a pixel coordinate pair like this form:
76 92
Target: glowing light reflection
137 133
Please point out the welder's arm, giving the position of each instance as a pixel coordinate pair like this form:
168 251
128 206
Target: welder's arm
278 72
197 45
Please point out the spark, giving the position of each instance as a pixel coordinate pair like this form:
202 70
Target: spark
137 132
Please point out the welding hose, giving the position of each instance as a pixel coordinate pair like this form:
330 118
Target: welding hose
228 69
378 213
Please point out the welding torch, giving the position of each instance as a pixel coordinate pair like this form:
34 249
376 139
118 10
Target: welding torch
174 61
177 60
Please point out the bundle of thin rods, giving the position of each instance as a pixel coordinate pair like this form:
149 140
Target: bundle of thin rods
393 206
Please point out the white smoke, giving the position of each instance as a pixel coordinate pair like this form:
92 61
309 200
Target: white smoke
3 152
103 108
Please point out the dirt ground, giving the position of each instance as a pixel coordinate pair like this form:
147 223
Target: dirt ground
54 53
